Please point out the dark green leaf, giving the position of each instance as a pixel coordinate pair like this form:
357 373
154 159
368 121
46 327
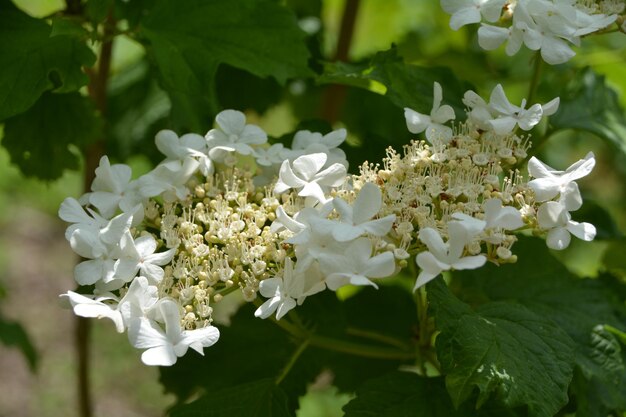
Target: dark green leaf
590 104
404 84
188 44
592 212
578 306
39 140
98 10
255 399
33 62
238 89
504 350
13 334
403 394
70 26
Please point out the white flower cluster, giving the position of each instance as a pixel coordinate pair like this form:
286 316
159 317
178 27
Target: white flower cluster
548 26
228 211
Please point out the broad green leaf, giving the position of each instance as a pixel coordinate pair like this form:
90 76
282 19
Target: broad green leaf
33 62
39 140
404 394
254 399
188 44
405 85
578 306
13 334
599 387
503 350
591 105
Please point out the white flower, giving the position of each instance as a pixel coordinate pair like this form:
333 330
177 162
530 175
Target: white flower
112 188
553 216
96 307
498 217
445 256
433 124
355 220
100 245
269 156
139 299
509 115
356 265
233 135
306 142
285 291
549 183
189 145
72 212
164 347
138 256
168 179
306 176
470 11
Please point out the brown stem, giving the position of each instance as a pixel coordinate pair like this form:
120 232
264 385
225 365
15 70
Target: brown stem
335 94
97 92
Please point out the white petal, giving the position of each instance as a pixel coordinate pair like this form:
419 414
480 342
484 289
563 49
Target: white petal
558 238
415 122
464 16
231 121
584 231
267 308
367 203
284 307
470 262
309 165
379 227
434 242
380 266
551 107
491 37
551 214
159 356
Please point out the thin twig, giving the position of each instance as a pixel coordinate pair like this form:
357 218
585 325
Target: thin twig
335 94
97 92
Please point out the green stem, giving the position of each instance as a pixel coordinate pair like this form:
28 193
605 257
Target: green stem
292 361
342 346
360 350
367 334
534 81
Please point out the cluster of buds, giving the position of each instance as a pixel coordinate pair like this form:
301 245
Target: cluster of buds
231 212
548 26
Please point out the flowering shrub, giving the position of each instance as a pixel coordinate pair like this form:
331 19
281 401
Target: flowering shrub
419 278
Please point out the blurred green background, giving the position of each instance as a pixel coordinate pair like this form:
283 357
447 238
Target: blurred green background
37 262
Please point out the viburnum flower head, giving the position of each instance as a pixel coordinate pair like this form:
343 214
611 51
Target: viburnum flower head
433 124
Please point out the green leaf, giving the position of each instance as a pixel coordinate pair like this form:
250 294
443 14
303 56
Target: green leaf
578 306
405 85
255 399
39 140
403 394
589 104
13 334
33 62
188 44
614 258
503 349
